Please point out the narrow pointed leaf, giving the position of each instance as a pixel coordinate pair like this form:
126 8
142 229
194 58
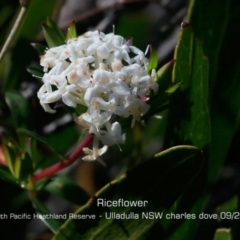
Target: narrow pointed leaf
58 32
191 70
189 121
165 72
52 36
19 108
36 71
17 164
173 88
33 135
72 32
40 139
40 48
153 63
10 151
23 166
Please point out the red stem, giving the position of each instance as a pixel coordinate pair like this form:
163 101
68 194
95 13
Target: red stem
64 163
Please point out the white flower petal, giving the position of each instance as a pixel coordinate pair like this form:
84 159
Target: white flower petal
69 100
47 108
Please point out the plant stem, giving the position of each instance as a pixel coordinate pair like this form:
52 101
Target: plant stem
65 163
13 31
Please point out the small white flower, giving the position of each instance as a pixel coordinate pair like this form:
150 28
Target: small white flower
95 153
113 135
104 73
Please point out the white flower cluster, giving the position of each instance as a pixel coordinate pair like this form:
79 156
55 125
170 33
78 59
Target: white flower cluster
104 73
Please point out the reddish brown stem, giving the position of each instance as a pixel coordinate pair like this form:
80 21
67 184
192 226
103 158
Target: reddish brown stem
65 163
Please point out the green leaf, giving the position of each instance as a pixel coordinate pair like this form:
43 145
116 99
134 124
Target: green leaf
60 146
225 97
191 102
19 163
210 21
139 27
37 11
52 223
36 71
80 109
217 28
189 122
53 34
222 234
39 138
173 88
164 74
19 108
23 167
67 189
33 135
52 25
6 175
10 150
153 63
229 206
5 13
72 32
151 181
40 48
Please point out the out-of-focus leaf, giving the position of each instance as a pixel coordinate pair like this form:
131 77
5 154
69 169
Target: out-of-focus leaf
5 13
6 175
229 206
35 71
23 167
19 108
151 181
37 11
49 147
165 73
222 234
225 97
67 189
80 109
19 163
153 63
52 223
72 32
58 32
39 47
33 135
53 34
138 20
10 150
